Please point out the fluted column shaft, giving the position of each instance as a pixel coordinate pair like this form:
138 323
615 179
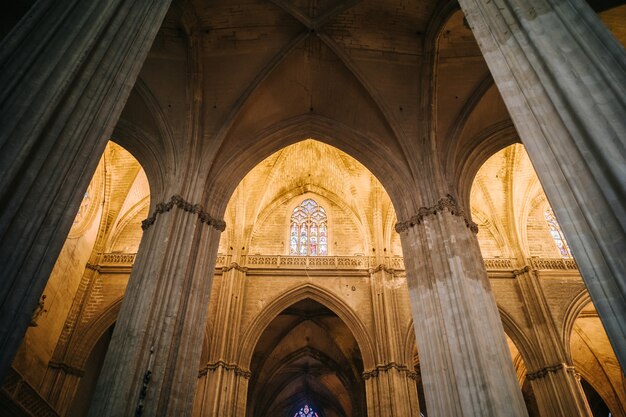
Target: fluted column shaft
390 391
222 391
464 359
553 380
562 76
66 71
151 366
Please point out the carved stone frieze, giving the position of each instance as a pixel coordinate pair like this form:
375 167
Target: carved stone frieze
447 203
178 201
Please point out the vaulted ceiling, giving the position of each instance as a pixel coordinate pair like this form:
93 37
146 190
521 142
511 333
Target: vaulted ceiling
306 355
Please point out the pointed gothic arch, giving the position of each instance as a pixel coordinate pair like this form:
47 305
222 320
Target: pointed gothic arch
324 297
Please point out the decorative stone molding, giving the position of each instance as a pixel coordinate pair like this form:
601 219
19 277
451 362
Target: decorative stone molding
236 267
118 258
382 267
92 267
549 369
393 265
373 373
68 369
303 262
226 366
447 203
553 263
498 263
521 271
178 201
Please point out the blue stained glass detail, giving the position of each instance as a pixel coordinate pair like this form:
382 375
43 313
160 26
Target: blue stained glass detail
557 234
306 411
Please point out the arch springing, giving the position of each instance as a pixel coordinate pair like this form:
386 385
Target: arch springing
557 234
308 230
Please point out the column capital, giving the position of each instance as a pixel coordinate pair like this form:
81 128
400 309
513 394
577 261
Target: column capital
446 203
373 373
178 201
212 366
66 368
236 267
541 373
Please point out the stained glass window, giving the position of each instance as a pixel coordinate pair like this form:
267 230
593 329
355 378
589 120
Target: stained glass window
84 205
557 235
306 411
308 231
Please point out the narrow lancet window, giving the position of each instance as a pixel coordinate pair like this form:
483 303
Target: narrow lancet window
308 230
557 234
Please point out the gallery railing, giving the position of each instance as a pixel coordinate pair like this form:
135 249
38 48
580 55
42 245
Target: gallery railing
344 262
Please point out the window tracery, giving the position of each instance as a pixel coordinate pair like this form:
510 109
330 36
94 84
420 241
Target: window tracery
557 234
308 230
306 411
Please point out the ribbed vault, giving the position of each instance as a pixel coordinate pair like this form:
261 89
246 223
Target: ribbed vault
306 355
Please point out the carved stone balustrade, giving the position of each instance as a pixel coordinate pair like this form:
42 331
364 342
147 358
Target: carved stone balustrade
553 263
122 262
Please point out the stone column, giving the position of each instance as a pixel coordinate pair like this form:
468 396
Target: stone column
63 375
557 391
224 393
552 379
391 391
66 71
465 362
151 366
562 76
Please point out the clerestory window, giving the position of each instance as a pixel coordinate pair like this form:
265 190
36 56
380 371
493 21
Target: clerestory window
557 234
308 230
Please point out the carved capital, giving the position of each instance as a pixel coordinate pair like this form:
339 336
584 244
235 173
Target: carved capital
521 271
68 369
447 203
226 366
236 267
93 267
549 369
178 201
382 267
373 373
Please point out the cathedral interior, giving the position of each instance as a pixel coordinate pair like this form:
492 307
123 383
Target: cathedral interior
312 208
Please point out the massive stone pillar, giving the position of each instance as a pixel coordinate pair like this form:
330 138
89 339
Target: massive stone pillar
553 380
465 362
151 366
66 71
562 76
